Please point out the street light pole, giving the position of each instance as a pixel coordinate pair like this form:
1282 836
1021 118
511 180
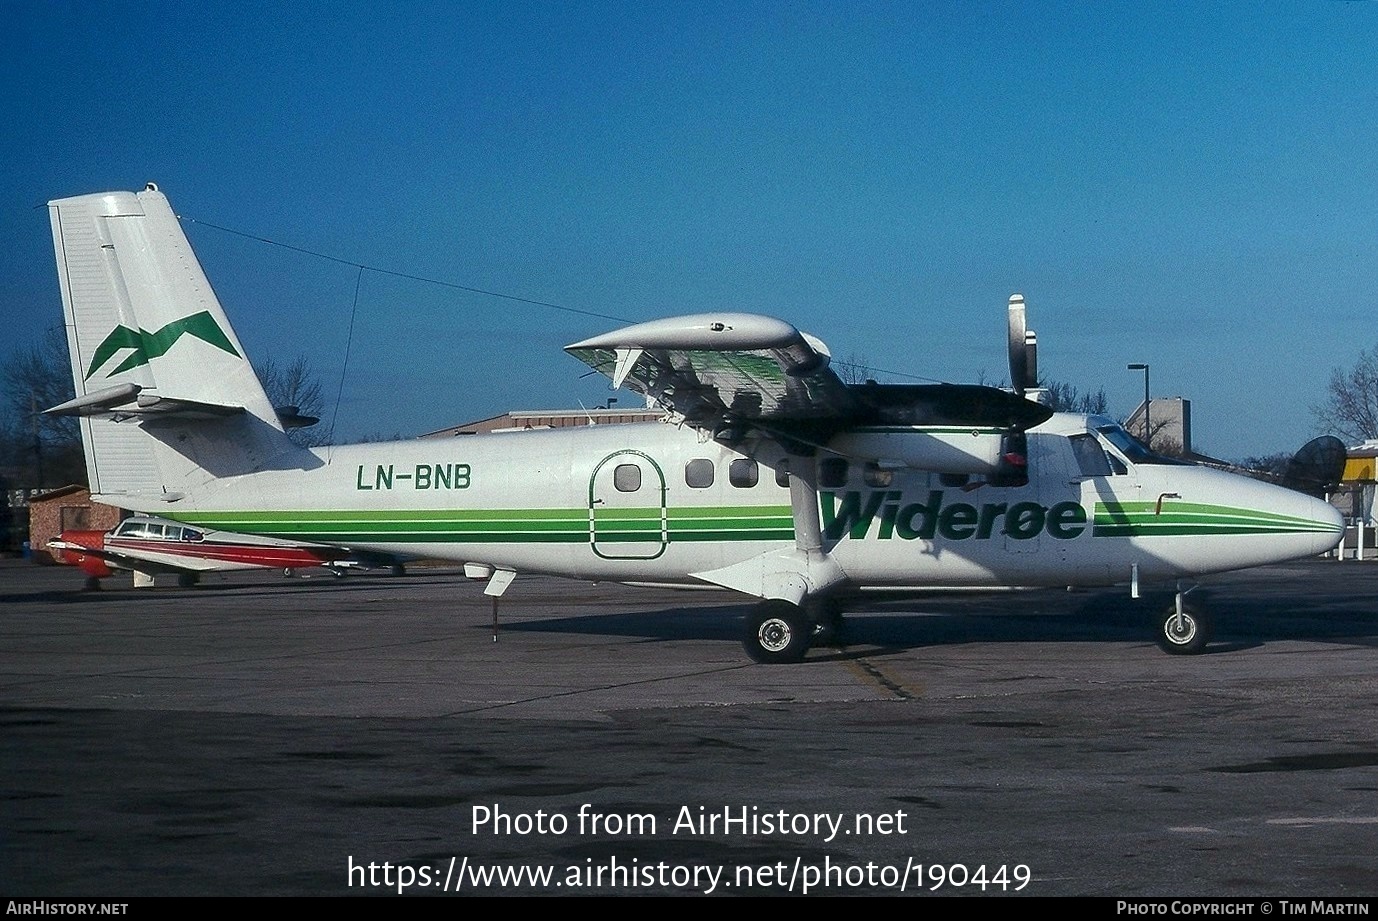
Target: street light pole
1148 428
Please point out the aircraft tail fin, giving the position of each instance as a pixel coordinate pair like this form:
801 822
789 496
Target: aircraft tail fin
168 402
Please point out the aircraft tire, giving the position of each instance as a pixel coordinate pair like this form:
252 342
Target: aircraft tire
777 632
1187 638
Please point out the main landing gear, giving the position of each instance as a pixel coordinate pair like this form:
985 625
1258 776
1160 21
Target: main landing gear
1183 629
778 632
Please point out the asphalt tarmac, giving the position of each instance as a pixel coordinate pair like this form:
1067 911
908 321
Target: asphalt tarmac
258 735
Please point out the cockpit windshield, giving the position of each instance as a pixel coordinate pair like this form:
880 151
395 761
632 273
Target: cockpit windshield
1134 450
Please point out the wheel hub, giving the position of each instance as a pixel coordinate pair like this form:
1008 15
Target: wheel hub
774 634
1181 629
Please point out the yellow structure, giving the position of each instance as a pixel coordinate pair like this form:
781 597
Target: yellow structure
1359 469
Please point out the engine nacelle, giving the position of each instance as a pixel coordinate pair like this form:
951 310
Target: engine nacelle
941 450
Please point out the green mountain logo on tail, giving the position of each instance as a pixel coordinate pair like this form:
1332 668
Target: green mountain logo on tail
147 346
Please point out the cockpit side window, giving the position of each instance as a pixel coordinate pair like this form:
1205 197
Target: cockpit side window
136 528
1091 457
1134 450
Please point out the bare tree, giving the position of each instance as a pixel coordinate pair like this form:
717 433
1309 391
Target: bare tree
43 450
1350 409
1269 467
295 389
1158 439
39 377
1065 398
374 437
854 370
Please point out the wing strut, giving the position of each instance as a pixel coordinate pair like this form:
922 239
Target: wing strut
803 500
626 360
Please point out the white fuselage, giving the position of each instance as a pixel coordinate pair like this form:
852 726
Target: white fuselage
656 503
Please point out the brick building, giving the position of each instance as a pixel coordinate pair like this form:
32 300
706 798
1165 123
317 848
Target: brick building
67 508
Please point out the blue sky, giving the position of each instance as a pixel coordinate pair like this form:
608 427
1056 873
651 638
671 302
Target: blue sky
1187 185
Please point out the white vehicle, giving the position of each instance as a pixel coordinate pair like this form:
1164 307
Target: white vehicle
770 476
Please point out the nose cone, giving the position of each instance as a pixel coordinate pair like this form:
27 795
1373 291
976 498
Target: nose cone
1294 524
1332 522
1212 521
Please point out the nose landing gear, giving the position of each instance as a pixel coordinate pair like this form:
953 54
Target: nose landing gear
1183 629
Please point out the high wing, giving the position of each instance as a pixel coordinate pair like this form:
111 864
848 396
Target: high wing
726 368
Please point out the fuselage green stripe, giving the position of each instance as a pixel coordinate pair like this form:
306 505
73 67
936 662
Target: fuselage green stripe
480 526
1131 519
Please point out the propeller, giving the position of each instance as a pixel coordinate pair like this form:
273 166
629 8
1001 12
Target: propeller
1317 467
1023 349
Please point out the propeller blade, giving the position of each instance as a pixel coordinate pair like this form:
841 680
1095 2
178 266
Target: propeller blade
1023 348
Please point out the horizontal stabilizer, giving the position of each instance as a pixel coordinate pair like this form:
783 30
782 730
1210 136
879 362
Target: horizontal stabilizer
128 400
97 402
291 417
151 405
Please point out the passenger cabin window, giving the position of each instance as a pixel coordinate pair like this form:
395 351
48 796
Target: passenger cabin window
626 477
743 473
876 477
1091 457
698 473
782 474
832 473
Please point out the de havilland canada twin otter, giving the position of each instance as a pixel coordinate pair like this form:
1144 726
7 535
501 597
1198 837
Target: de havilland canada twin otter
769 476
